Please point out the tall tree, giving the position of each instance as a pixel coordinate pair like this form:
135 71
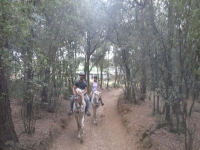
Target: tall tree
7 130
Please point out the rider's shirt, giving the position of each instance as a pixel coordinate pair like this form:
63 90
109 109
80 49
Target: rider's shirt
81 85
94 86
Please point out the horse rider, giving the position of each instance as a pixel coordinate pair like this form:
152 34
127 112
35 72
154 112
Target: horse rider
96 87
81 83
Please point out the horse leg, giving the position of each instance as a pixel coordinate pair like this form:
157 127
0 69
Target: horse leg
78 125
76 120
93 107
82 128
95 115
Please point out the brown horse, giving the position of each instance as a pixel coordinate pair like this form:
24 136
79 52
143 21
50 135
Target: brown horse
79 111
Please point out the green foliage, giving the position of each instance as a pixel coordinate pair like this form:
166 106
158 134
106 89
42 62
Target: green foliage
155 45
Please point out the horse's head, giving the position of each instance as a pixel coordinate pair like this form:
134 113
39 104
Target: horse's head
95 97
79 96
79 91
97 93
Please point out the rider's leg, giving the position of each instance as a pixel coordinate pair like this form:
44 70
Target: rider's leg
71 105
87 105
91 95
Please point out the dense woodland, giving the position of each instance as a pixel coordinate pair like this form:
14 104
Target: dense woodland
155 45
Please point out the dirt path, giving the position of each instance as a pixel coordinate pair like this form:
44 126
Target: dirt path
109 134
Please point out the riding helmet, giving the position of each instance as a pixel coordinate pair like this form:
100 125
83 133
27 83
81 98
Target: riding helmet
81 74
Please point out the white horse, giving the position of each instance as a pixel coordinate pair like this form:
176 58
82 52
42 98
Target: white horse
95 104
79 111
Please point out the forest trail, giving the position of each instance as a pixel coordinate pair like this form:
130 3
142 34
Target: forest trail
109 134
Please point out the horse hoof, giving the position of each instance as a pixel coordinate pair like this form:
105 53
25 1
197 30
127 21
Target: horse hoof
81 140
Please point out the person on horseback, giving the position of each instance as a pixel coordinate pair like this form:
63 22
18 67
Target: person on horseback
83 86
96 87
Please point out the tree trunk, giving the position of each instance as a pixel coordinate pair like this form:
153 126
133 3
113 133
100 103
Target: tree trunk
134 95
28 108
158 107
87 60
128 74
154 102
128 80
116 76
143 79
167 106
44 93
7 130
167 53
101 74
194 91
87 69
